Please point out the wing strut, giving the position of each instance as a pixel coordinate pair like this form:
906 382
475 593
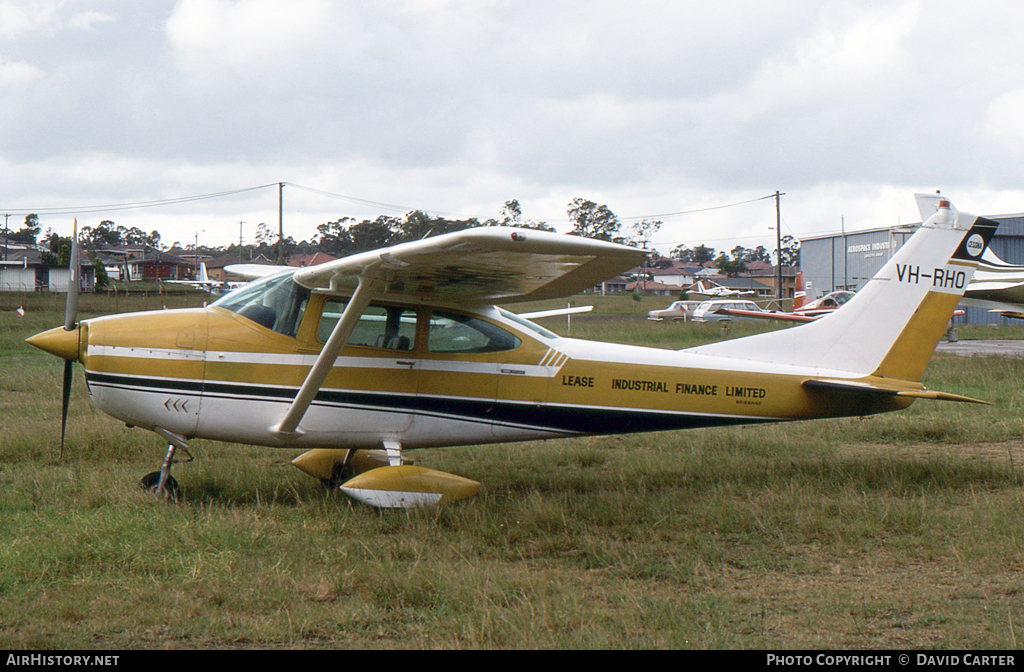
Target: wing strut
318 372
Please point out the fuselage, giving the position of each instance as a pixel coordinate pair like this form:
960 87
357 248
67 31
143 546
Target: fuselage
420 375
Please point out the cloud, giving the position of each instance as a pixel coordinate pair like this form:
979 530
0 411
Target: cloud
88 19
459 105
1004 119
242 34
17 18
17 74
20 18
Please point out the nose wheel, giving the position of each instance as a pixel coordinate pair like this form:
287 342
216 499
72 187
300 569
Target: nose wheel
161 483
169 491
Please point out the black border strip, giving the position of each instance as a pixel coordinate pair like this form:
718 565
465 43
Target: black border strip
544 417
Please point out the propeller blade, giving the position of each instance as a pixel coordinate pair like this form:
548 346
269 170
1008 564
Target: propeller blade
71 307
70 318
65 401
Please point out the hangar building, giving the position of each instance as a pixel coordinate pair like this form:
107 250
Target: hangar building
848 260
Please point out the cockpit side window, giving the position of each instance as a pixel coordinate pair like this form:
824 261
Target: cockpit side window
450 332
387 327
275 303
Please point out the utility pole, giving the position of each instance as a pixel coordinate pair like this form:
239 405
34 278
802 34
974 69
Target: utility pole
6 215
240 241
846 253
778 240
280 222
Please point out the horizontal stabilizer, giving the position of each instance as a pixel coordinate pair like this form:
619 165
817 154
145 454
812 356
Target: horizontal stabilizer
861 387
1015 314
766 315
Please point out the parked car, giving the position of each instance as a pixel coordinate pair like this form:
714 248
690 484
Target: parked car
677 311
708 310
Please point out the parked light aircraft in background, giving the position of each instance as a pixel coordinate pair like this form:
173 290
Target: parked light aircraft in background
402 348
707 289
803 311
206 284
997 286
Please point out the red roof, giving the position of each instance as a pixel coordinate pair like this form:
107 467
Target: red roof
309 259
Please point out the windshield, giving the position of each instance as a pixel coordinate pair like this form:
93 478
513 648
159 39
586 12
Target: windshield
522 321
276 302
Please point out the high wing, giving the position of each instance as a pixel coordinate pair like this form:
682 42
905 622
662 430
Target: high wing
471 267
478 266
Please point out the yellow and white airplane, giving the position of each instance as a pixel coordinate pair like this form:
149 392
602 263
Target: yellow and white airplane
363 358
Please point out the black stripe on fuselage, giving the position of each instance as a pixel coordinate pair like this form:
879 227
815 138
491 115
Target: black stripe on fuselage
547 417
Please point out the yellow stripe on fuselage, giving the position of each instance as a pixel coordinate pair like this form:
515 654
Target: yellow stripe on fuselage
218 347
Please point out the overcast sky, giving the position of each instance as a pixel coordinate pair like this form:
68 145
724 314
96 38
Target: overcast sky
455 107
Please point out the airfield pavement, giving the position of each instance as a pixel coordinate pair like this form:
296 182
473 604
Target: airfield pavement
975 348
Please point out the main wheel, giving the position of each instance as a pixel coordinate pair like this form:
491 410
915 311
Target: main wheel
170 492
341 472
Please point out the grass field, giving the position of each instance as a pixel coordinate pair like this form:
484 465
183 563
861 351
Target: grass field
903 530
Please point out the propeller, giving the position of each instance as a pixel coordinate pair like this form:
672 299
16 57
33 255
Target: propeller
70 324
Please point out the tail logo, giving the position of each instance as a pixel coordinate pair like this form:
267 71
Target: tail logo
975 245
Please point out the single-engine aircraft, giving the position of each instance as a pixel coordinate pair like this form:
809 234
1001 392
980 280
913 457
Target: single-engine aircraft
207 284
362 359
803 311
705 289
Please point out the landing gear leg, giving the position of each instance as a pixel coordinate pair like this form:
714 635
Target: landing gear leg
394 451
161 483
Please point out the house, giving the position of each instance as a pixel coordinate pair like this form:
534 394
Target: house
653 287
610 286
215 266
152 264
768 274
679 274
22 270
143 262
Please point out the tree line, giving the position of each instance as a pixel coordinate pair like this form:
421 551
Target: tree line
346 236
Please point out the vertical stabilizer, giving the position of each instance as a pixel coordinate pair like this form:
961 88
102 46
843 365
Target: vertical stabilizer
891 326
800 291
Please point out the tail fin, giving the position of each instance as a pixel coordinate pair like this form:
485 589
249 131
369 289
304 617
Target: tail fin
800 292
203 277
891 326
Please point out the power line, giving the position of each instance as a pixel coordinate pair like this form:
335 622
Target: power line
135 205
690 212
375 204
113 207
